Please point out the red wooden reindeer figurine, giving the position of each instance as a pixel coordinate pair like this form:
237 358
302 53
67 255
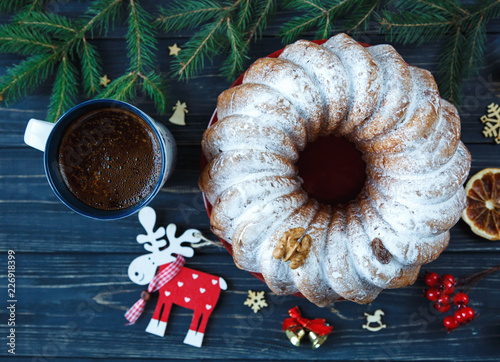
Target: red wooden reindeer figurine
178 285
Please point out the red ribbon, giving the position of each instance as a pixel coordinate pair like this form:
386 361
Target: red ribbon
317 325
159 280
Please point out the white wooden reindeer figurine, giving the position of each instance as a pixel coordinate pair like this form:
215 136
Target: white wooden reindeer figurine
189 288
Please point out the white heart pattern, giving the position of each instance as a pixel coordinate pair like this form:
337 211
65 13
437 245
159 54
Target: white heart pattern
167 294
195 276
202 290
214 281
180 284
208 306
187 299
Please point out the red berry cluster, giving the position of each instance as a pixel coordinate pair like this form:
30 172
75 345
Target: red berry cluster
440 291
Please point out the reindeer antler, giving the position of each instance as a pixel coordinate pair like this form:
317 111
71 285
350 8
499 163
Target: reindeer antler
189 236
151 241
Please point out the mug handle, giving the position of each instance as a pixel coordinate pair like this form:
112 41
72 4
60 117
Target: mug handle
37 132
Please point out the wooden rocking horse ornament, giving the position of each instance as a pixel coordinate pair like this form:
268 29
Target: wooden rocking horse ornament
177 284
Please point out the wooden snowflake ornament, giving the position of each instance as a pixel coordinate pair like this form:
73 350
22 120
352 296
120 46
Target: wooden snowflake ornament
255 300
492 122
163 270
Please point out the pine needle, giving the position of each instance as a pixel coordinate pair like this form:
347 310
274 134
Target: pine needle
234 61
451 66
189 14
65 90
122 88
203 45
154 86
20 40
26 76
49 24
90 66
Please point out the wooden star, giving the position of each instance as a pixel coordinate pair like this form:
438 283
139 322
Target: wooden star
104 81
174 50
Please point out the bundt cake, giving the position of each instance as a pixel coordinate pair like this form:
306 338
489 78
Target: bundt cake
415 169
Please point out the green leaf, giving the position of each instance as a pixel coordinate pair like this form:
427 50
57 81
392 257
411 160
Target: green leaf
64 91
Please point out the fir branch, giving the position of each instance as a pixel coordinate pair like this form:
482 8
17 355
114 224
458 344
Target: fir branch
65 90
17 39
90 66
451 66
319 14
189 14
364 11
141 42
266 9
46 23
415 27
26 76
122 88
100 15
203 44
234 62
154 86
8 6
244 15
474 47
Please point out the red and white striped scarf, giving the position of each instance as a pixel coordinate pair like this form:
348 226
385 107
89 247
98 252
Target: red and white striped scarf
159 280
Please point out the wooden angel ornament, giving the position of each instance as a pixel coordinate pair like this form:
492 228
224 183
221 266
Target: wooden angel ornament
163 269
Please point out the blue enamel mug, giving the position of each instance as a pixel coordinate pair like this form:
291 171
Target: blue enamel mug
80 147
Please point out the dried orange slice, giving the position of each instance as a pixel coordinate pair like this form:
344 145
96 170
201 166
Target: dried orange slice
483 203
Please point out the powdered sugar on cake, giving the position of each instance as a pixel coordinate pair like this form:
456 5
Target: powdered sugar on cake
410 139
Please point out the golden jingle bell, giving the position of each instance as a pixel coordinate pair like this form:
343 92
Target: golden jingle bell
316 339
295 334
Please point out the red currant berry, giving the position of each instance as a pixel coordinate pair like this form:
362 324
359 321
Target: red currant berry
448 277
444 299
443 308
460 299
460 315
450 323
432 294
448 287
431 279
468 313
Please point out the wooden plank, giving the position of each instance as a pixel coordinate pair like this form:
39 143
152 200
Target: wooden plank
75 303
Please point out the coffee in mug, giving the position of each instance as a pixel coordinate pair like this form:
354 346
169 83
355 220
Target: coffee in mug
109 159
104 159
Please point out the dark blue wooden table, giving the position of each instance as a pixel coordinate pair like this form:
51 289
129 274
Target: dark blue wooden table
72 287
